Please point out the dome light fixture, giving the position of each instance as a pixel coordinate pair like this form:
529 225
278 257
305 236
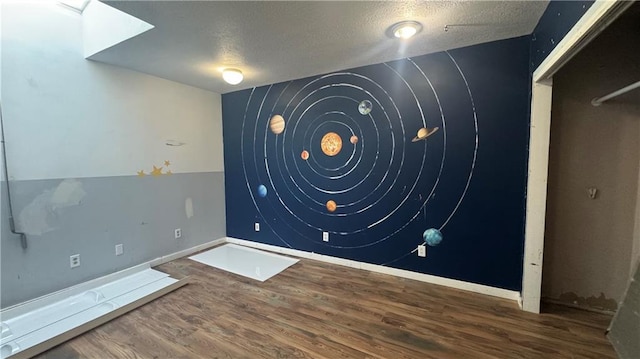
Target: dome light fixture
232 76
405 29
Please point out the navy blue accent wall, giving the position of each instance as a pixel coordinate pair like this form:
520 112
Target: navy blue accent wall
464 175
555 23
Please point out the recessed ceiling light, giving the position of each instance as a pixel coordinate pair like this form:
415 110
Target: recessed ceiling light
406 29
232 76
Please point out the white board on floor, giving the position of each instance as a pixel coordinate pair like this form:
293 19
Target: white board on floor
247 262
45 320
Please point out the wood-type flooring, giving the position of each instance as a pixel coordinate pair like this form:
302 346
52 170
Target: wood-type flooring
318 310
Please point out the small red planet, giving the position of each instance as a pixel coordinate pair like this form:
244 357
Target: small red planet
331 205
304 155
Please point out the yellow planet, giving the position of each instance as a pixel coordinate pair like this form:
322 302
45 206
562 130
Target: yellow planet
331 205
331 144
353 139
276 124
424 132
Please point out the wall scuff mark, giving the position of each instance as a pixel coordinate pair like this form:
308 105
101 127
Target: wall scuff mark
36 217
600 302
188 207
174 143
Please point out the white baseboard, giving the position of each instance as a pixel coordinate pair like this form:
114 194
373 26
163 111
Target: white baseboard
453 283
61 294
83 287
185 252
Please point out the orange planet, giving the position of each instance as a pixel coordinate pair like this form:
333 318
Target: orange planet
353 139
277 124
331 144
304 155
331 206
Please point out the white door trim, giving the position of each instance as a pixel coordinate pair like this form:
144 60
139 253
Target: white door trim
596 19
540 130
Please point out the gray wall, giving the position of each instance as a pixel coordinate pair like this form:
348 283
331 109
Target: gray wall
589 242
139 212
77 133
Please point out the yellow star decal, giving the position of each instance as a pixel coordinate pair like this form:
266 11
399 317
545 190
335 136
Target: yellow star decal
167 163
156 171
141 173
168 172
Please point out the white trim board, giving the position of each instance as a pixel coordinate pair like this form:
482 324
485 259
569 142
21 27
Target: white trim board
591 24
453 283
42 325
82 287
538 170
183 253
76 324
46 299
245 261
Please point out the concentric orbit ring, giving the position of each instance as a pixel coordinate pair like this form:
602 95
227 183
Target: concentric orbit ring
426 198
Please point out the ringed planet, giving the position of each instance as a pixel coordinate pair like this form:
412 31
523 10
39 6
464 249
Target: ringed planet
304 155
353 139
331 205
276 125
424 132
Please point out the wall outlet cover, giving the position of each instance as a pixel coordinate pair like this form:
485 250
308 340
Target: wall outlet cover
325 236
74 261
422 250
178 233
119 249
256 226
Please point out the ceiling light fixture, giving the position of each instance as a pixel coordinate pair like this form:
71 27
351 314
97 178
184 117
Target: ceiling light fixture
232 76
405 29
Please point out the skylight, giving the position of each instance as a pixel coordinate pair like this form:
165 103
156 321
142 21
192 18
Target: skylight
76 5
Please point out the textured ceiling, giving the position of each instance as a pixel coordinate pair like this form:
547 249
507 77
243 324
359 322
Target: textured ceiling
278 41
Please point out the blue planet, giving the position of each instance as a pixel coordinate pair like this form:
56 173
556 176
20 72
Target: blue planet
262 191
432 237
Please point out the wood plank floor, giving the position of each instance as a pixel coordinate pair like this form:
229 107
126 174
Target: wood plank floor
317 310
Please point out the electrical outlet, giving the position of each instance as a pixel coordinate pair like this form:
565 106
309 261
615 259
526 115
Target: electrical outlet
422 250
74 261
119 249
178 233
325 236
256 226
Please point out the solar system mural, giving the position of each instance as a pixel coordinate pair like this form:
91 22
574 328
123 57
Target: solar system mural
425 150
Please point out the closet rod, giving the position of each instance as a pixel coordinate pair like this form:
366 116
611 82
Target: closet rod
599 100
